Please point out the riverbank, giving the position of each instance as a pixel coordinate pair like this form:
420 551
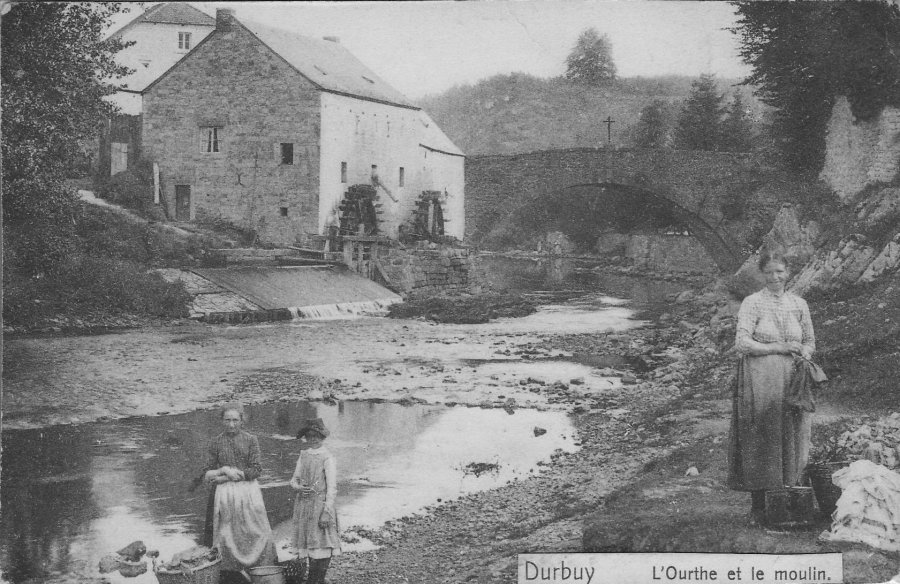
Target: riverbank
650 473
648 402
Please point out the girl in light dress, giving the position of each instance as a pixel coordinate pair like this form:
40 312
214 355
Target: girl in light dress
315 527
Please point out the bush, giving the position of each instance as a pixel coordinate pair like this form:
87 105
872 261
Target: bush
85 285
133 189
39 217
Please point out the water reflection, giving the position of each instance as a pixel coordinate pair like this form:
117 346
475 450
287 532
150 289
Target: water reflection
71 495
557 274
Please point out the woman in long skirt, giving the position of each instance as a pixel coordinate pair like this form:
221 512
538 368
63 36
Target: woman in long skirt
315 519
770 441
236 520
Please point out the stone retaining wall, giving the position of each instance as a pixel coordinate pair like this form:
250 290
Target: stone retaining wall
426 271
252 255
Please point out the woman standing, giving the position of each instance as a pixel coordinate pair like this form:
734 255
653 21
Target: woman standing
770 441
236 520
315 519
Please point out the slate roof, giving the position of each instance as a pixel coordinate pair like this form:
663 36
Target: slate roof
174 13
328 64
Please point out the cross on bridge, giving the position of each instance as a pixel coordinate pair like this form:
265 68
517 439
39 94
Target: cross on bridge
609 122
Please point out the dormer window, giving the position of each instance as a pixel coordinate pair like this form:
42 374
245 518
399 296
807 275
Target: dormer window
184 40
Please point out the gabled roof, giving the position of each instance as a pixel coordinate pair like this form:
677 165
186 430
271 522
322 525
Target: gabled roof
171 13
328 64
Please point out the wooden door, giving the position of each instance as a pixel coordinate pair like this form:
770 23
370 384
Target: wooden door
182 202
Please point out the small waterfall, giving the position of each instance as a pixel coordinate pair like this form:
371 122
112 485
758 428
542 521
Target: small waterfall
343 310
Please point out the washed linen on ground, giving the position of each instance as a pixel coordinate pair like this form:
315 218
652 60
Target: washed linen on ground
868 510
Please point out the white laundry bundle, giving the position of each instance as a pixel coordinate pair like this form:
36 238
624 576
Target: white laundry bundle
868 510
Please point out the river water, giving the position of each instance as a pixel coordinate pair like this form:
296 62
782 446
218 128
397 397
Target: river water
72 494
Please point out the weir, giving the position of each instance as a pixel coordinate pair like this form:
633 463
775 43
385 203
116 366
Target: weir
342 310
321 292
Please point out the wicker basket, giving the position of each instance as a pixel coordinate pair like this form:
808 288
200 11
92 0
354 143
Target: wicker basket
827 493
205 574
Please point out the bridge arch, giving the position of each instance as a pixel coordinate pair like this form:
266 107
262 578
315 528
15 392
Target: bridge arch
624 206
707 184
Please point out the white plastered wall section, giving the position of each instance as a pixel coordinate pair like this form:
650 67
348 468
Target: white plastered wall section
365 133
155 50
446 173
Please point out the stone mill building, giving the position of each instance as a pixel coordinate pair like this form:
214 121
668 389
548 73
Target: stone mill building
287 135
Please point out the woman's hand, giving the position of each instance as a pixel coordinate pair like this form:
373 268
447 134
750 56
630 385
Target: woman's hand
326 518
305 491
233 474
210 476
806 353
790 348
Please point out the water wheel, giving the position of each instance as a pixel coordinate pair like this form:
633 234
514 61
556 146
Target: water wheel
359 211
428 216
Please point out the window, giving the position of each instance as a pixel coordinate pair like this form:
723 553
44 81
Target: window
282 211
184 40
374 171
287 153
210 139
343 172
402 176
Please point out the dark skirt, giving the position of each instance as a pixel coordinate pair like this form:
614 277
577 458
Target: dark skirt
769 440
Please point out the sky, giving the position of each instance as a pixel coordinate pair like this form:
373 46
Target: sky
425 48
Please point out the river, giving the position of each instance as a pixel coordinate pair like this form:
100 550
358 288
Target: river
102 434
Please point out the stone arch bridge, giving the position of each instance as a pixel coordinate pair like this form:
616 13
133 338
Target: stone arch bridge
695 187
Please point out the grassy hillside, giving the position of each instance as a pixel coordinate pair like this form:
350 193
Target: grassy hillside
513 113
106 278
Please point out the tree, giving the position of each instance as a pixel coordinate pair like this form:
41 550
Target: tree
805 54
737 129
590 62
699 125
654 127
56 67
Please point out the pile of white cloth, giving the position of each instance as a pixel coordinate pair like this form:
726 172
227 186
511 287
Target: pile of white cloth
868 510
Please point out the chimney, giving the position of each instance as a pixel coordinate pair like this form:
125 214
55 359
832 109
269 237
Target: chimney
333 39
224 19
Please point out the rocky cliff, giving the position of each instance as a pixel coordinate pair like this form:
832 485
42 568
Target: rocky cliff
862 168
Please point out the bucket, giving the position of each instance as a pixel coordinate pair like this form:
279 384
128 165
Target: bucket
267 575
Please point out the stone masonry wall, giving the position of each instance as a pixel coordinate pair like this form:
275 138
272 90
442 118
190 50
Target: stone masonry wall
232 81
427 271
670 253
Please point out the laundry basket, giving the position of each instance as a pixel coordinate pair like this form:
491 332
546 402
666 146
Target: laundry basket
827 493
205 574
